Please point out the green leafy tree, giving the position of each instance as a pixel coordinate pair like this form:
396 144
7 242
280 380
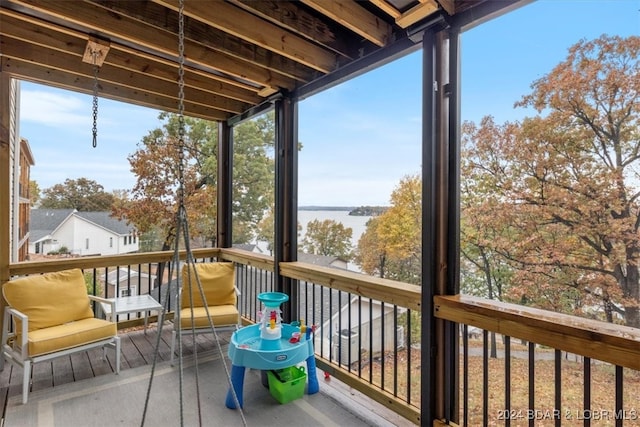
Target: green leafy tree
328 237
34 194
82 194
253 175
153 202
391 246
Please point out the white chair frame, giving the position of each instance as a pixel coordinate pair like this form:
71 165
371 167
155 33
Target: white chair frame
20 356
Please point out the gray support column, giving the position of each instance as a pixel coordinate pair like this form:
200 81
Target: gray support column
224 214
286 200
452 343
5 188
439 177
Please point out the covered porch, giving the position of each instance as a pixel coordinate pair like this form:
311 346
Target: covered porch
245 58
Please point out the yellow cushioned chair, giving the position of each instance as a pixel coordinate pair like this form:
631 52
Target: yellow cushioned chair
218 285
49 316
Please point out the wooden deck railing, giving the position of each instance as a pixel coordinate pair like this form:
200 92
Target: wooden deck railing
369 336
551 369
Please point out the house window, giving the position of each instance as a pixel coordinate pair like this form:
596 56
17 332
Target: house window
110 242
86 243
129 238
128 292
134 238
125 240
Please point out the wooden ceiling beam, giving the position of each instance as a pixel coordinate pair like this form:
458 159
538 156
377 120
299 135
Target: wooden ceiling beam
121 29
235 21
212 38
52 77
417 13
387 8
449 6
15 26
72 64
353 16
298 20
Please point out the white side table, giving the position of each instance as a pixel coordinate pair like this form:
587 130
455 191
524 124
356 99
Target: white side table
137 303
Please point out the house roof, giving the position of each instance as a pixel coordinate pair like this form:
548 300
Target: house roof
105 220
321 260
45 221
239 53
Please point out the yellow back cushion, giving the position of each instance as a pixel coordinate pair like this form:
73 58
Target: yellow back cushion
217 279
50 299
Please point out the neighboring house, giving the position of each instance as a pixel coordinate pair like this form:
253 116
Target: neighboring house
323 260
21 203
128 282
81 233
250 247
20 162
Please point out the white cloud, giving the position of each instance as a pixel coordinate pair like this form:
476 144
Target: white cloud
53 108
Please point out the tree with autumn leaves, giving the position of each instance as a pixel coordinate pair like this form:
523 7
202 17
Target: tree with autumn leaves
152 203
551 203
391 245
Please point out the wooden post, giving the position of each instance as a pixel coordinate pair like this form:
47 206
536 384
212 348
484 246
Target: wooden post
6 129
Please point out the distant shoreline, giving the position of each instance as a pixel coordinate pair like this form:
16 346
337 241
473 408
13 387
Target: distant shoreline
353 210
326 208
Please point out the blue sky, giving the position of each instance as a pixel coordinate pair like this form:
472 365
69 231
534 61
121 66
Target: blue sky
360 138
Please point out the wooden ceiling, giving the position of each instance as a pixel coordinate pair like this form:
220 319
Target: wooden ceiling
238 53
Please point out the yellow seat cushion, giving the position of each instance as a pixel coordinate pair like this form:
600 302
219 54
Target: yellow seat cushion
217 280
222 315
50 299
69 335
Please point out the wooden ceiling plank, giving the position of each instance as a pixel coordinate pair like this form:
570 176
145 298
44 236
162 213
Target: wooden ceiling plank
51 77
125 58
297 20
212 38
449 6
66 63
235 21
417 13
123 28
353 16
25 28
387 8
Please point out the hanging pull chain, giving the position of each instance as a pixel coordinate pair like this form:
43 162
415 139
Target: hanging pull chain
95 53
95 97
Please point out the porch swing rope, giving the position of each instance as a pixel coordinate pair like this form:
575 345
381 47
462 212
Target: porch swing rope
182 228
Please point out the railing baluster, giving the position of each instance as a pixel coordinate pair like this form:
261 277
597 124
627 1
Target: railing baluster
507 379
532 380
465 375
382 335
619 411
395 350
485 378
558 387
587 390
409 349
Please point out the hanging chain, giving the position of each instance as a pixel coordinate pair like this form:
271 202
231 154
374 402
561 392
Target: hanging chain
95 54
181 125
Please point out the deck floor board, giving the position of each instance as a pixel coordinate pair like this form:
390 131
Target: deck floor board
137 349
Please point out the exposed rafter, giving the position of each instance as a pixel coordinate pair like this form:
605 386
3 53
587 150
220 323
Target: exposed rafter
238 53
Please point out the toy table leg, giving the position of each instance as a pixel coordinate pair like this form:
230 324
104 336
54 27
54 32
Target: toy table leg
312 386
237 382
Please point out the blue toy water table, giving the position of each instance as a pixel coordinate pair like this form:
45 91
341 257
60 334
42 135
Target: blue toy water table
267 346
